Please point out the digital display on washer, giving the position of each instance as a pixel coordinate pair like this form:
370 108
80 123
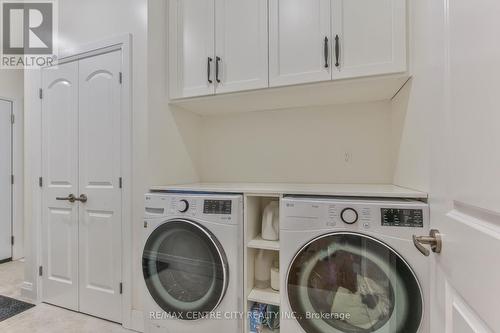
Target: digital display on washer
217 207
413 218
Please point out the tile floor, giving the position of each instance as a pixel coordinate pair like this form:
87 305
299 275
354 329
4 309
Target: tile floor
45 318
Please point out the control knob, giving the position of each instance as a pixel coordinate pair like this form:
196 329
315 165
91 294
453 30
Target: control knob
349 216
183 206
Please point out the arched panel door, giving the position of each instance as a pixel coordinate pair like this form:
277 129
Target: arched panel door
351 283
185 269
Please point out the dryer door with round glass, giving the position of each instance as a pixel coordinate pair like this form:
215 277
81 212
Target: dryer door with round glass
347 282
185 269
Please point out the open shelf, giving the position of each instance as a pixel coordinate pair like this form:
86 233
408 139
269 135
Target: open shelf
259 243
266 296
255 205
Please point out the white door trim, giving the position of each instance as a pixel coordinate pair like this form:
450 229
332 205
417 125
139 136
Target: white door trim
18 172
123 43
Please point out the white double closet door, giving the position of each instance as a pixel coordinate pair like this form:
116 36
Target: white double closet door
5 180
81 155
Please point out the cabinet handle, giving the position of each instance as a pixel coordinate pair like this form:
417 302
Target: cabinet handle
326 52
337 51
209 67
217 61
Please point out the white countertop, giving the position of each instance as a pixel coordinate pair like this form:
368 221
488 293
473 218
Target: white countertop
352 190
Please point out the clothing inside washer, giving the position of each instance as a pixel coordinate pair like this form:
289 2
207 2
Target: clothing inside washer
358 291
351 283
367 306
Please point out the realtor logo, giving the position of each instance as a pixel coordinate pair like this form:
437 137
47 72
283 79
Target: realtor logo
28 33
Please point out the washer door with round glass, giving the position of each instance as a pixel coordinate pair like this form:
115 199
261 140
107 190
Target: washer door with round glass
352 283
185 269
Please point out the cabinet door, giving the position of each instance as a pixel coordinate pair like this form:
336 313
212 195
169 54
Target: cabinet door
241 45
192 46
298 32
371 36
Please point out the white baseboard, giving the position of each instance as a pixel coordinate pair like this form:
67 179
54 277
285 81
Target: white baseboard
27 291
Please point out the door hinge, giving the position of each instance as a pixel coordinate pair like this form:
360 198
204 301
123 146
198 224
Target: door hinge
40 182
12 240
40 92
40 271
121 288
12 119
120 182
12 179
120 77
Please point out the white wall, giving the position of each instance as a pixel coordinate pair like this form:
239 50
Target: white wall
410 136
173 134
32 121
307 145
11 84
414 107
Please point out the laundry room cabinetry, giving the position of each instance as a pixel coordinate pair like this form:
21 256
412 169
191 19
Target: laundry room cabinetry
322 40
217 46
299 41
239 56
192 33
241 45
368 37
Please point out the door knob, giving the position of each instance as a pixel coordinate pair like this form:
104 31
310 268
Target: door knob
83 198
434 240
71 198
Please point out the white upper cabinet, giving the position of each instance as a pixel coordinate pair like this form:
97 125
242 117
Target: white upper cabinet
369 37
192 44
222 46
241 42
217 46
300 41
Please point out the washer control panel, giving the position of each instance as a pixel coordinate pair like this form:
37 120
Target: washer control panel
356 214
393 217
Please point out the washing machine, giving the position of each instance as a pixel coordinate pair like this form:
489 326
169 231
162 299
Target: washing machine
350 265
192 263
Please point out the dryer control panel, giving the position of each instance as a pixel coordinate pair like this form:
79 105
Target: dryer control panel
223 207
226 209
